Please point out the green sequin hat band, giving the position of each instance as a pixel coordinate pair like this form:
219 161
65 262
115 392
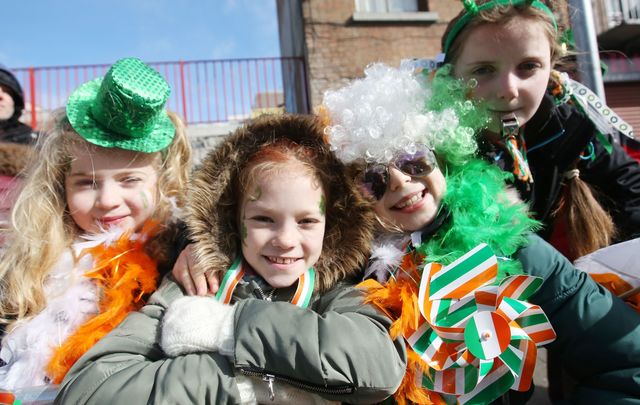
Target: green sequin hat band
125 109
472 9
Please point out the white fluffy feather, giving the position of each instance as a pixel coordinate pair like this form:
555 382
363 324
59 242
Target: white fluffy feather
386 255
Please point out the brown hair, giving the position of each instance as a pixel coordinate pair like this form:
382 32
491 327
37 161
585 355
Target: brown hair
589 226
504 15
274 158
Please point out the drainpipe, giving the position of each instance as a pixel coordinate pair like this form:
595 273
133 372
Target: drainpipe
587 46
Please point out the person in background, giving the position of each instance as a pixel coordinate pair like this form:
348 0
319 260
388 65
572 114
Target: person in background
11 106
93 224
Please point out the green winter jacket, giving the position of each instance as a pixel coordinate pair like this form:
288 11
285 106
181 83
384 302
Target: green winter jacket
598 335
340 349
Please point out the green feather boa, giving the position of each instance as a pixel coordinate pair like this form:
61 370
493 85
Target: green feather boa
480 211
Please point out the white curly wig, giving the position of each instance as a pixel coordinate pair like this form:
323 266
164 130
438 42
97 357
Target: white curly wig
376 116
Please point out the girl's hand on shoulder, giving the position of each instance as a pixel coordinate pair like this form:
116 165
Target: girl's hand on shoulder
194 280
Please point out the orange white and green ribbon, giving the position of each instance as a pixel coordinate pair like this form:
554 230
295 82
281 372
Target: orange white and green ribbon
511 135
478 338
232 277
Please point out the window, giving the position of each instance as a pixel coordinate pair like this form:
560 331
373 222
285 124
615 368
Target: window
393 10
386 6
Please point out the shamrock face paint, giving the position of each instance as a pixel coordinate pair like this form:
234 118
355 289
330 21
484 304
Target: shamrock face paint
256 194
323 206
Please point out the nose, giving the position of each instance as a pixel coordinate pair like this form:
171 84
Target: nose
397 179
285 237
107 196
508 86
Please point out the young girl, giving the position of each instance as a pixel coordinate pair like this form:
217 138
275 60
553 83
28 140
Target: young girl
551 132
114 163
272 212
470 331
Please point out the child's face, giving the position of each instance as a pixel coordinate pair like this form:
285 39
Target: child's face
107 189
511 64
282 224
411 203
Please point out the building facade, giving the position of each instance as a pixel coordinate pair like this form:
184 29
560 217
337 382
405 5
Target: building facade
339 38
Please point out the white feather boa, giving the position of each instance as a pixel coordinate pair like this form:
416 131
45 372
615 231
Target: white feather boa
71 300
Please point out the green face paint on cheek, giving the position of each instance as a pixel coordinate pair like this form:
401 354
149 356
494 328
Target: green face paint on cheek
257 193
243 231
323 206
145 199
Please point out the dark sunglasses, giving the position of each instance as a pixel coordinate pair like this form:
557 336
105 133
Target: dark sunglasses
418 164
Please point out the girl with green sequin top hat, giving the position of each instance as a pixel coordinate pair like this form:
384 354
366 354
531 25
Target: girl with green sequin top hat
272 213
93 224
558 138
472 290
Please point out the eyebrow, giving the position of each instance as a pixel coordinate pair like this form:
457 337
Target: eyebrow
271 211
92 174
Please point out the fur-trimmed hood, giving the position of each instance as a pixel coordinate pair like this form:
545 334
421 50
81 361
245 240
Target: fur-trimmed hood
211 213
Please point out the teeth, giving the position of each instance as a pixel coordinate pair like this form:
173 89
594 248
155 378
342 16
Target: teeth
410 201
281 260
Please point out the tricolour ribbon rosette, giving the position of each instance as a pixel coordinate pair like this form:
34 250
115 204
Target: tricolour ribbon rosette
478 339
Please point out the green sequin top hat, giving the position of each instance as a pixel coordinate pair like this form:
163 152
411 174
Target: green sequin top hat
124 109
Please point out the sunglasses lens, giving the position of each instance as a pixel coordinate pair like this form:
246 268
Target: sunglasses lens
418 164
375 181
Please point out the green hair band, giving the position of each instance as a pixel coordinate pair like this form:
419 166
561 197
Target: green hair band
473 9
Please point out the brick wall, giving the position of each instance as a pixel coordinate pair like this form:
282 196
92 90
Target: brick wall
339 49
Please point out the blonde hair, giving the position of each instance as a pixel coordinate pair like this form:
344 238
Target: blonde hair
42 228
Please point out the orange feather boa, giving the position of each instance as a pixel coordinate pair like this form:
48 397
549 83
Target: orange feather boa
398 299
125 275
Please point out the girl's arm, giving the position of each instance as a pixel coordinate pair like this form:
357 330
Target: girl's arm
340 350
343 353
128 366
598 335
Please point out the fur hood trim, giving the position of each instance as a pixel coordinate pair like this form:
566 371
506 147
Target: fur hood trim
211 213
14 158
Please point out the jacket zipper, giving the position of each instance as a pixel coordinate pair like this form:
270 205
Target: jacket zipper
270 378
259 293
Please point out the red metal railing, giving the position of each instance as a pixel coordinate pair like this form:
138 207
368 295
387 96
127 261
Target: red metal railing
620 63
203 91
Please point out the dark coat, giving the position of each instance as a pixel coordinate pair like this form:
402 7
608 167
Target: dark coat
556 137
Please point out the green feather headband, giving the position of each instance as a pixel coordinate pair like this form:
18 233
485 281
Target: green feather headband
473 9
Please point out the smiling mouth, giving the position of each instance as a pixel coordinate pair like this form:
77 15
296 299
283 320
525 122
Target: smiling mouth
414 199
281 260
111 220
